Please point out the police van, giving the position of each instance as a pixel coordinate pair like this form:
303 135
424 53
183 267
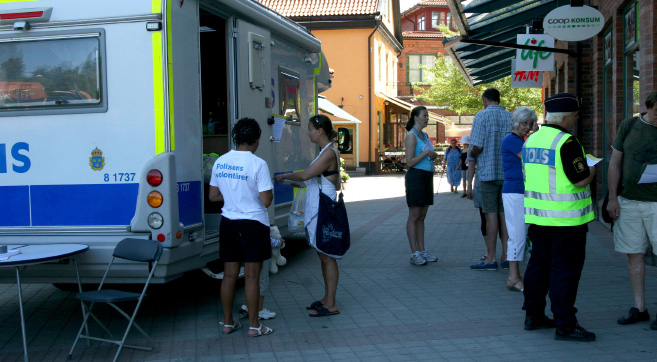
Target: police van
108 109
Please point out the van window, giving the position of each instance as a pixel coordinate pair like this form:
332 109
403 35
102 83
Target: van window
290 97
49 73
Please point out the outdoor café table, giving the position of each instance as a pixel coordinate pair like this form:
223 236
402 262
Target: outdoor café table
38 254
395 155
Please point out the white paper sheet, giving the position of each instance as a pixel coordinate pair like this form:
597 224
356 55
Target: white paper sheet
592 160
649 175
277 129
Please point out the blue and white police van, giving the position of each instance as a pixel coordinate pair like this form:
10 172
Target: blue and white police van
107 109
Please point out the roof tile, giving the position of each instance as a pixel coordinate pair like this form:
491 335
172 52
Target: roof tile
303 8
432 2
422 34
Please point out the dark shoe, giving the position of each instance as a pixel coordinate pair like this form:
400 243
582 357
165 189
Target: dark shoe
634 316
538 322
484 266
653 325
575 333
504 264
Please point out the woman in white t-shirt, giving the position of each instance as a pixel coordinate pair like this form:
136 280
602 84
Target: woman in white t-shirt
242 181
324 169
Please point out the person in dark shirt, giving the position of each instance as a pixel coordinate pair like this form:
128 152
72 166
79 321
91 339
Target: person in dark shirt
635 205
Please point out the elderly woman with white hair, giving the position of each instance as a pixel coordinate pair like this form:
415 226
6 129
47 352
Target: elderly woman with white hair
522 122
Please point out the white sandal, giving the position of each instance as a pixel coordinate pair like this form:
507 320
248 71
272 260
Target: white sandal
260 332
234 327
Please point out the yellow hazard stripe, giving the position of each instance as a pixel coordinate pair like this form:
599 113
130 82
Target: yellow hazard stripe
14 1
158 92
158 84
172 131
315 73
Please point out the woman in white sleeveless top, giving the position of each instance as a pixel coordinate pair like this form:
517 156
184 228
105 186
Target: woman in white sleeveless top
325 169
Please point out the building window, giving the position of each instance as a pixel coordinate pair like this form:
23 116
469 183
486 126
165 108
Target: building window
449 21
608 103
417 74
387 68
380 61
420 22
436 19
630 26
394 70
631 60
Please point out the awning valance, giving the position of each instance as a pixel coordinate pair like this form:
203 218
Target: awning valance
325 106
408 106
487 43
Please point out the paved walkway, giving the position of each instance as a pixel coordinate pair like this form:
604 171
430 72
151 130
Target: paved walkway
390 310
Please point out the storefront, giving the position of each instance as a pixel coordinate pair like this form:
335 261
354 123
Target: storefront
613 71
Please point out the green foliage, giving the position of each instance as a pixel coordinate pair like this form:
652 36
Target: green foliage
449 89
12 70
63 77
343 174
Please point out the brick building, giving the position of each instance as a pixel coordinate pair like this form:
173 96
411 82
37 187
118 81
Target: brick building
422 41
613 71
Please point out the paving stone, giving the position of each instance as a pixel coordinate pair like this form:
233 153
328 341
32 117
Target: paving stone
390 310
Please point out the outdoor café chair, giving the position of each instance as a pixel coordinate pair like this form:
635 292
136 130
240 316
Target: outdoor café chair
138 250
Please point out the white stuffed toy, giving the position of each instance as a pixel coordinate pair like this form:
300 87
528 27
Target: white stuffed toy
277 243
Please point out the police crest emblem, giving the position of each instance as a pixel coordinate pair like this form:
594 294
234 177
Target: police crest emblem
97 161
579 164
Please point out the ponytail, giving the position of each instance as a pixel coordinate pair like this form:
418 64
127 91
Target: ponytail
414 113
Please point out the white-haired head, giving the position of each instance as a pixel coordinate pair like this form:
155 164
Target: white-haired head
557 117
522 115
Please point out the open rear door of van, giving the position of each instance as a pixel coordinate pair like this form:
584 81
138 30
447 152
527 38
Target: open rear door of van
253 94
252 75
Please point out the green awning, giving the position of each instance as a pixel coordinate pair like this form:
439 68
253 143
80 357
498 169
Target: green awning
484 50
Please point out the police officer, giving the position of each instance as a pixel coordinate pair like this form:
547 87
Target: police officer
558 207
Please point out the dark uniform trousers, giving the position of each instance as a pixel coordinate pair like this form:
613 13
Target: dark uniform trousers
555 266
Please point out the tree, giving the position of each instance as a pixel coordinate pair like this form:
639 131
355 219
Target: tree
449 89
12 70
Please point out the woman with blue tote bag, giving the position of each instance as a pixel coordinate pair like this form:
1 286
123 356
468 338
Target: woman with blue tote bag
332 240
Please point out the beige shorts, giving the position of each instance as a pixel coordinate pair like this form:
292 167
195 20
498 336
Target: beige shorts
636 226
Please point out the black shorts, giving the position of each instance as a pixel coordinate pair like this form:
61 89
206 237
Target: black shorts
243 240
419 187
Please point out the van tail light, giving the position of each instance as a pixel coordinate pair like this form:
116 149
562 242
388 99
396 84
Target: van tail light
155 220
31 14
155 199
154 177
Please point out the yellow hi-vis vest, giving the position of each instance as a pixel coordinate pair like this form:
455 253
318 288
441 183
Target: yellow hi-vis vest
550 198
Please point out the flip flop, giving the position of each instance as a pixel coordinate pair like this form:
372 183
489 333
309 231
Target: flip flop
314 305
323 312
234 327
